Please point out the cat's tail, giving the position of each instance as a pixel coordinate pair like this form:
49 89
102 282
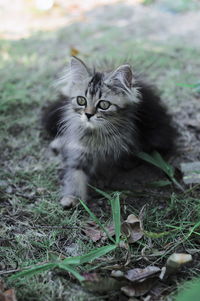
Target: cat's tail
52 115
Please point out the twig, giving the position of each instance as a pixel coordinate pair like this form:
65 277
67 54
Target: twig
10 271
54 227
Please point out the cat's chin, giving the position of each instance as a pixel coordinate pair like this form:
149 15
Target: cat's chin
88 124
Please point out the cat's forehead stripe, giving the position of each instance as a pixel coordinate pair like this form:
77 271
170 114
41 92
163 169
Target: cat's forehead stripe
95 84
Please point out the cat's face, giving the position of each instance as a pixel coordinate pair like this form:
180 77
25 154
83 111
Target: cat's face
95 103
98 100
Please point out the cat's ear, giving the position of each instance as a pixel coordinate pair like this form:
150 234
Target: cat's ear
123 75
78 70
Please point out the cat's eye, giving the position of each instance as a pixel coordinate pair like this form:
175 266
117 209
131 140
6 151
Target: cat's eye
81 101
104 104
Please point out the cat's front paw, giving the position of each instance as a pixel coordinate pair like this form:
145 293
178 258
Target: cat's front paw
68 202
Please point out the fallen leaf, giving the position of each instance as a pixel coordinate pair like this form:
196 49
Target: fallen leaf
160 290
74 51
141 274
91 277
140 288
92 230
92 233
96 283
111 231
8 295
132 228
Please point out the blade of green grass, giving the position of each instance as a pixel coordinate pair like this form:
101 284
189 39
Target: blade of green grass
103 193
167 168
159 235
115 206
71 270
197 225
146 157
160 183
96 220
67 263
33 271
96 253
157 160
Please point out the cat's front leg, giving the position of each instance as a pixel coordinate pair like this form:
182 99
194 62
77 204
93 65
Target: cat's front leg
74 188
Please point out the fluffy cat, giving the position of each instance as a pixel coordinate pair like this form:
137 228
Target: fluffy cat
102 119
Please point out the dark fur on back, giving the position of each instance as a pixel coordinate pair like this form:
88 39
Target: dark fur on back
52 114
153 123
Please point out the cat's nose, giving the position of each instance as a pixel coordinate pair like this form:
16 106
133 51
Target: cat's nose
89 115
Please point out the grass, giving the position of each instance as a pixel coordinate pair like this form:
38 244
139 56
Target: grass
157 160
69 263
190 291
34 229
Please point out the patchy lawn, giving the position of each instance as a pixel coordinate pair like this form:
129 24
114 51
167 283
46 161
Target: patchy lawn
34 228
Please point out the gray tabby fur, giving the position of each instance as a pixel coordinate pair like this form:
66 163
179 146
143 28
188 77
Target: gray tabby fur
86 144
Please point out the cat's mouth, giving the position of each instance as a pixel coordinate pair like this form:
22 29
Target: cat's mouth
88 123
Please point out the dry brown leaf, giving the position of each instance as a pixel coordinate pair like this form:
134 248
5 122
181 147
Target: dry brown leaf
111 231
140 288
94 234
140 274
8 295
92 230
96 283
132 227
74 51
91 277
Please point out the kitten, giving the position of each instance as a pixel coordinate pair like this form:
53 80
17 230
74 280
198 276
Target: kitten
101 119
